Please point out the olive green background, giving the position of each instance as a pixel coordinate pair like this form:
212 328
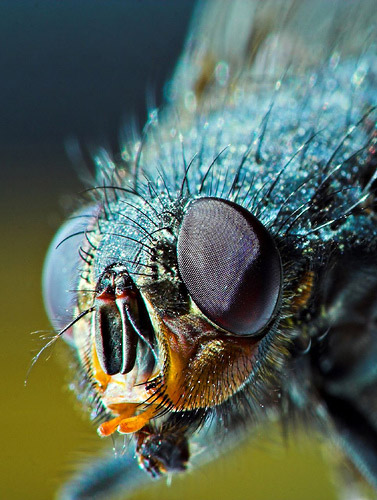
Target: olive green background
81 69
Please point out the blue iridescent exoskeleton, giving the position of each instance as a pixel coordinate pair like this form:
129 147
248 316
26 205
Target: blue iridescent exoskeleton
227 268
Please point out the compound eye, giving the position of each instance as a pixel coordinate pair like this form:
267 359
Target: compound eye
229 264
62 268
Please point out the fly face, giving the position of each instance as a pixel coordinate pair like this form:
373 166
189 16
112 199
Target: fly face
174 325
228 270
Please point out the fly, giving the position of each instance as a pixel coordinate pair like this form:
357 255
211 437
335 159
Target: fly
226 269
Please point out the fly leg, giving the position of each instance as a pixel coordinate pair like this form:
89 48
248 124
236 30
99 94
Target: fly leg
161 452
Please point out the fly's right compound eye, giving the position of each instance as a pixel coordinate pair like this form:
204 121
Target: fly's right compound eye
230 265
62 268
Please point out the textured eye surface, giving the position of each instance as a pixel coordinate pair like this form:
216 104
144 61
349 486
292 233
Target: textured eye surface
60 273
229 264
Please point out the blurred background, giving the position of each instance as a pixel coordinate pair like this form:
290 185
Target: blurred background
84 70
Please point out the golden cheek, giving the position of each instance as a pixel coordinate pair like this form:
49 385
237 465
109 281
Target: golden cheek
203 366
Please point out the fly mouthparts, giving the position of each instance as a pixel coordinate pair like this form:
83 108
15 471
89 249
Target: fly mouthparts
116 320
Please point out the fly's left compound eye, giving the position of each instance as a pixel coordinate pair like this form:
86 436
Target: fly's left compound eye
61 268
229 264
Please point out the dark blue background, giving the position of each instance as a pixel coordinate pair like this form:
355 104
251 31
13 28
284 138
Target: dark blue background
79 68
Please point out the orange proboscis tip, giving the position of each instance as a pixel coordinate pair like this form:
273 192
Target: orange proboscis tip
126 424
